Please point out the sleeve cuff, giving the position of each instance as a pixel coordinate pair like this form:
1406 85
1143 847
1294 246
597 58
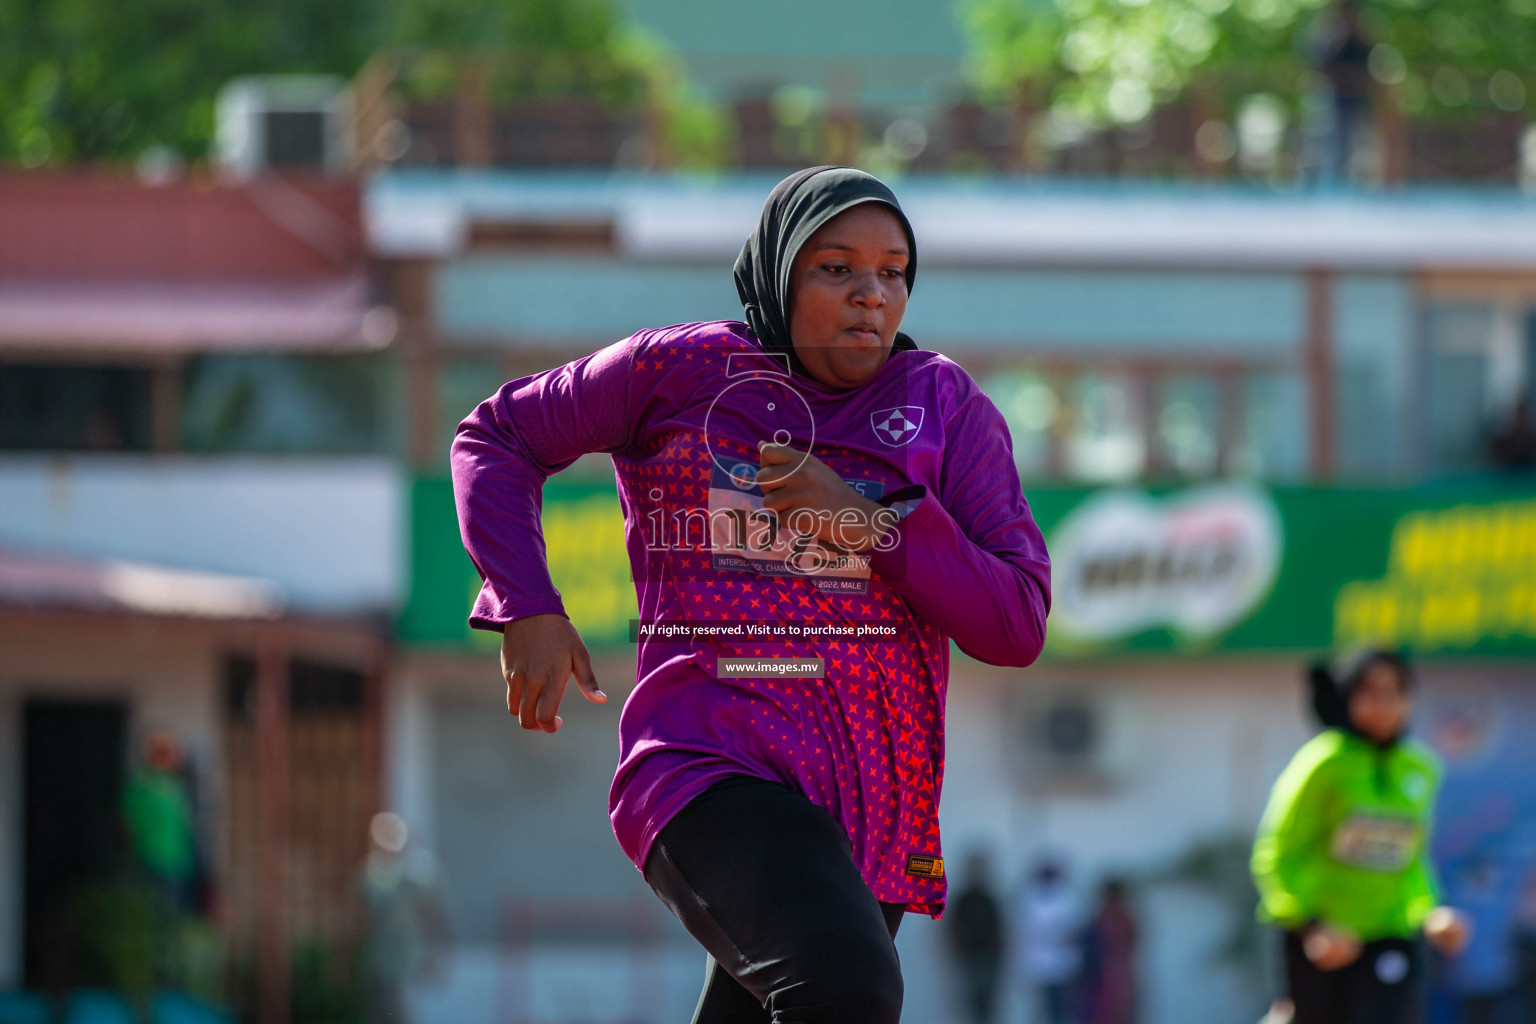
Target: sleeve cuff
493 615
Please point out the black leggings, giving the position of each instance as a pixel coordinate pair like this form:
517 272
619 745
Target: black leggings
765 880
1384 986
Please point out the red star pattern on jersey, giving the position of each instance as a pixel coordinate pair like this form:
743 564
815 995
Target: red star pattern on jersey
866 742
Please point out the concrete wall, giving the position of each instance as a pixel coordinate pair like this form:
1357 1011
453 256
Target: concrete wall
329 531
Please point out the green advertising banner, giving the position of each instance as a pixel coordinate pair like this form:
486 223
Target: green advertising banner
1219 567
584 543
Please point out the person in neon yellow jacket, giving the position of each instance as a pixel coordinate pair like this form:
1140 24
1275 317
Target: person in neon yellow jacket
1341 859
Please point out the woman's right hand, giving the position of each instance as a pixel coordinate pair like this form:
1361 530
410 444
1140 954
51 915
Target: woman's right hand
1329 947
1448 930
539 654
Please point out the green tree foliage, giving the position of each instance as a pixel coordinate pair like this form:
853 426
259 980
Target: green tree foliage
104 80
531 48
558 26
1111 61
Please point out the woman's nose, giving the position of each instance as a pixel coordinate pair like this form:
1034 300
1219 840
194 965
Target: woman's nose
867 292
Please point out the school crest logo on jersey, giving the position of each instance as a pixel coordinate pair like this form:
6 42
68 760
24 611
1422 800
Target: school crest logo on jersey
897 425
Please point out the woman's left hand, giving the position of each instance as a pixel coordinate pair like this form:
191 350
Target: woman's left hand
810 498
1448 930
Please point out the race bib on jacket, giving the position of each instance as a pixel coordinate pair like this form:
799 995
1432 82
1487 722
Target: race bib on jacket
1376 842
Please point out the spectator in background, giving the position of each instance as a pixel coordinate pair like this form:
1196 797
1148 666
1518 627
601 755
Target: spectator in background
1111 967
1513 444
1048 945
1343 59
1342 859
159 815
406 923
976 938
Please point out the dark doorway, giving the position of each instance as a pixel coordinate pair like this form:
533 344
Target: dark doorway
74 759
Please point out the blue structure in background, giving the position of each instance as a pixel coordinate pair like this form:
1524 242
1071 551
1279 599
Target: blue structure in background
1485 845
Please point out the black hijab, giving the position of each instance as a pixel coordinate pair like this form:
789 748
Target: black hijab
796 209
1333 684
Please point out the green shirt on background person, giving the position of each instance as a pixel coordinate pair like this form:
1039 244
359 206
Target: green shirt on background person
1345 837
158 813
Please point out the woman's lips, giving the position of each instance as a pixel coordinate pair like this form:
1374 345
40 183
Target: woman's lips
867 337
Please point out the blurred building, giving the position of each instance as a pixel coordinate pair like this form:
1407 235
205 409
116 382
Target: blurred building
1253 426
200 511
1128 333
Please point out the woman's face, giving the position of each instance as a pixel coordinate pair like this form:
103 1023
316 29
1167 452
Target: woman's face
847 295
1378 707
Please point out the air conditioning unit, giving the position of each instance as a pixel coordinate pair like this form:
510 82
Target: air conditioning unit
1080 737
268 122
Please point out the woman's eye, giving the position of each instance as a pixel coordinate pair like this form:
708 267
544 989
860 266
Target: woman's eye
834 268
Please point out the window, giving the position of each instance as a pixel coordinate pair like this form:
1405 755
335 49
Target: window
1276 427
1115 425
1480 367
463 384
1106 441
1188 424
292 403
1030 406
74 408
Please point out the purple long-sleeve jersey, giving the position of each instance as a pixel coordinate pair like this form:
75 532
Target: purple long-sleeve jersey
682 409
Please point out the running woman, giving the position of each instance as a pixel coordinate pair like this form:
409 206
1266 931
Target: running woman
809 469
1342 855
